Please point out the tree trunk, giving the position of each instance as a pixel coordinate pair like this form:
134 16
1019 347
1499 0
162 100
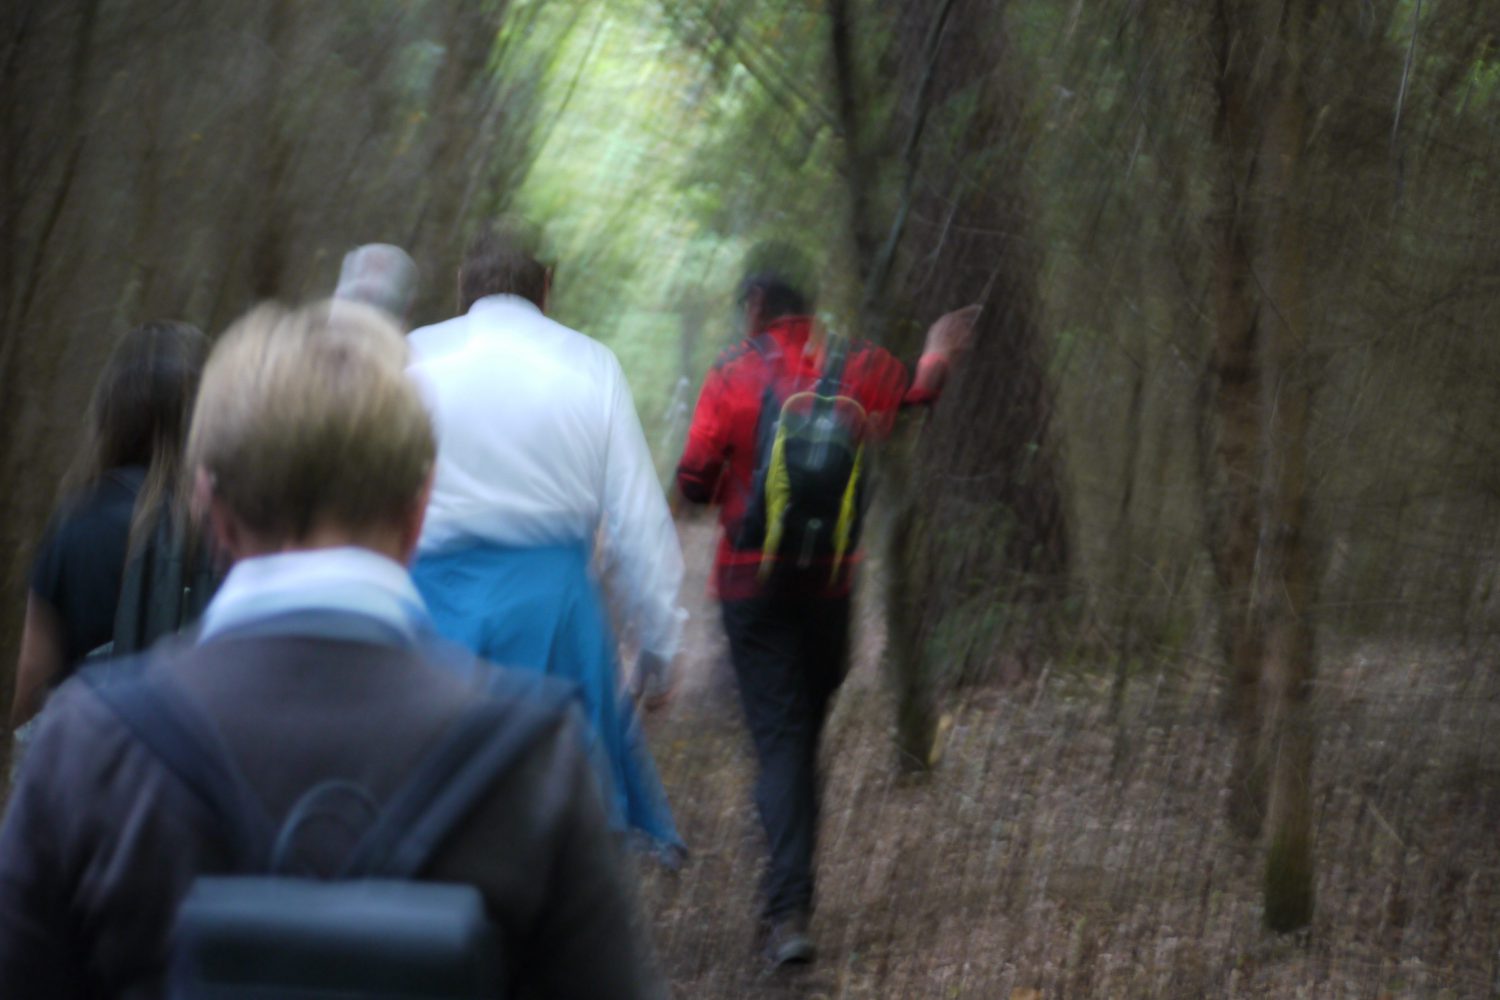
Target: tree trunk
1263 563
1288 734
909 660
43 140
990 506
1232 492
1124 556
851 100
977 554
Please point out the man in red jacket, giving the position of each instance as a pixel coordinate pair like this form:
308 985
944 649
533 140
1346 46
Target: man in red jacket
786 614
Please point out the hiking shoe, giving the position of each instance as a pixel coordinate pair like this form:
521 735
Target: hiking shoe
789 943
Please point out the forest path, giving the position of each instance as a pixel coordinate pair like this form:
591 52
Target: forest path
1050 851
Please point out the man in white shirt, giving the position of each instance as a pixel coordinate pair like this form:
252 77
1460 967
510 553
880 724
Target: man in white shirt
541 453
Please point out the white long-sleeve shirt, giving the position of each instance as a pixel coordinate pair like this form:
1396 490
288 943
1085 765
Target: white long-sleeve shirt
539 444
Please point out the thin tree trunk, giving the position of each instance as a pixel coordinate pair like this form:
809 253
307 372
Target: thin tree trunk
906 655
1233 493
1288 736
25 286
850 102
268 243
457 117
1124 555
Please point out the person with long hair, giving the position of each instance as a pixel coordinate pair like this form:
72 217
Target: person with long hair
118 506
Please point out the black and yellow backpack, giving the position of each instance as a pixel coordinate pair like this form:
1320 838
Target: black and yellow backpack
806 499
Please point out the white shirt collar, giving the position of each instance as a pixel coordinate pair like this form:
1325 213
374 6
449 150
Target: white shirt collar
350 580
493 302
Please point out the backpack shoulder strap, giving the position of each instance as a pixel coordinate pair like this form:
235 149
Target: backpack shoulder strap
764 345
452 779
835 359
161 718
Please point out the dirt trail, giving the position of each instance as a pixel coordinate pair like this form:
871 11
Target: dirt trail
1055 852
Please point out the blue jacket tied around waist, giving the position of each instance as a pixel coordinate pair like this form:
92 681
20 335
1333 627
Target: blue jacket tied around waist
539 608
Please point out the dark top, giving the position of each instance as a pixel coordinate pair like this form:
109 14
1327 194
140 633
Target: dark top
81 561
101 841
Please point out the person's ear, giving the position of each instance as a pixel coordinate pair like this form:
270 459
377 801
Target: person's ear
411 523
228 531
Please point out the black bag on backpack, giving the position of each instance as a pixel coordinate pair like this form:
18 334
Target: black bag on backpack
300 923
807 495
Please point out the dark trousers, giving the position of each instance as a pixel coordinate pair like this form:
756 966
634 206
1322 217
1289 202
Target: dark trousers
790 655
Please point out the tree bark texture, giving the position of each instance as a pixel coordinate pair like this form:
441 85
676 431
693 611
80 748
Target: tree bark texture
987 501
1288 730
1258 489
1235 413
851 99
977 548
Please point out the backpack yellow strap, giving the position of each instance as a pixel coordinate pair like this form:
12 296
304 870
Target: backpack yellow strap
847 512
778 495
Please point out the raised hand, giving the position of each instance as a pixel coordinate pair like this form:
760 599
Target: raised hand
953 332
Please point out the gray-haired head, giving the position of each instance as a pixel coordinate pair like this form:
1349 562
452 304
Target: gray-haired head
379 275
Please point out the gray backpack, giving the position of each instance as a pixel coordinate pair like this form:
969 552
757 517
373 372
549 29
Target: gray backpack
299 920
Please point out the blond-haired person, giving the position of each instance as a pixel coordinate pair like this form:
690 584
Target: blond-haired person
313 455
